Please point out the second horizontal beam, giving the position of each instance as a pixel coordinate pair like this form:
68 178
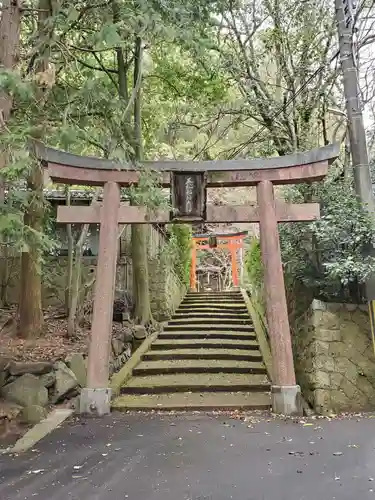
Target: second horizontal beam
286 212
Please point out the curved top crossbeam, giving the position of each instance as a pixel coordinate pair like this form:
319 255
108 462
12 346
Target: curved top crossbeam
89 170
221 236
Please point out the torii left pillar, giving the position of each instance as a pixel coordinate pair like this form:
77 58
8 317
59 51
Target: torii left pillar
96 397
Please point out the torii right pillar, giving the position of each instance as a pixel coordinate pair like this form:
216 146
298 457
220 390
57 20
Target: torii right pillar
286 394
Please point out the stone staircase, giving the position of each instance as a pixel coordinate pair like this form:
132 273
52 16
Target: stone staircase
206 358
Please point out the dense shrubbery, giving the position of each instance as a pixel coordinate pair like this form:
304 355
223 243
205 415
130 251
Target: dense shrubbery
253 265
325 256
178 250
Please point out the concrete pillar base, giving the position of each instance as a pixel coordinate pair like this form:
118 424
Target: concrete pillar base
286 400
96 402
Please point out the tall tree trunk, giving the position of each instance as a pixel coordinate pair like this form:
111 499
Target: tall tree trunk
30 305
10 22
69 271
9 47
139 232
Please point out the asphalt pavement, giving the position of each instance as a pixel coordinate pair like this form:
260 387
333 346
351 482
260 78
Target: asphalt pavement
196 457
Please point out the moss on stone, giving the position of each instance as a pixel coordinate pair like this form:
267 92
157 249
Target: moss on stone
335 362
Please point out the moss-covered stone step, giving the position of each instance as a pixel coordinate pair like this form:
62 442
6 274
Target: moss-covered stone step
194 401
208 382
208 310
234 306
221 315
215 309
198 366
215 301
209 327
213 293
230 296
247 334
164 342
207 335
214 296
211 321
203 353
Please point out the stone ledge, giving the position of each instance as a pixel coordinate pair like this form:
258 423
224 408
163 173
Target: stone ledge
335 361
40 430
318 305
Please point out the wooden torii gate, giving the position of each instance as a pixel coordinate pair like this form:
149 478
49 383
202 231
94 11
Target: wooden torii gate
188 181
232 242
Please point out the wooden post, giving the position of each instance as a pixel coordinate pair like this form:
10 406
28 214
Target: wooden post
241 263
193 267
232 248
96 397
276 305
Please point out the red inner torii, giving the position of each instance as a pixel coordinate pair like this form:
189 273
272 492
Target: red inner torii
232 242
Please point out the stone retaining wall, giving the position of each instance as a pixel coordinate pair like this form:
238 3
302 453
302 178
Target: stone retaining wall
334 357
166 290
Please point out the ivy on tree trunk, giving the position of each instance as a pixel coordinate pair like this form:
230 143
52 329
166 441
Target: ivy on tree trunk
10 22
30 306
139 232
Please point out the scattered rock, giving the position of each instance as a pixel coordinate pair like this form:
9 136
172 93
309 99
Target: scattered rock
139 332
114 366
48 379
10 379
76 362
117 346
9 410
33 414
125 318
3 378
127 335
36 368
4 363
73 403
122 304
26 390
66 381
126 354
117 363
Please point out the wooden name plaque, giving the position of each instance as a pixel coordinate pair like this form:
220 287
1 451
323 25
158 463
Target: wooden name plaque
188 196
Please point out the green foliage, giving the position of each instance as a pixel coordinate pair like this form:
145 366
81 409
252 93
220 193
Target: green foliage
253 264
13 231
19 236
148 192
12 83
327 255
178 250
